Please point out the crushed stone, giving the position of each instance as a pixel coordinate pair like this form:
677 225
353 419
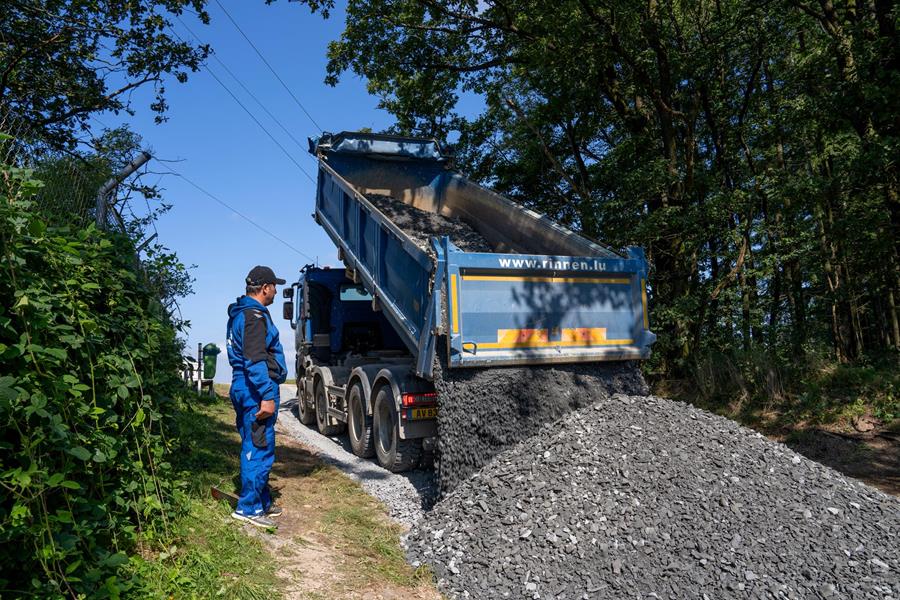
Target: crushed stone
635 496
486 410
420 225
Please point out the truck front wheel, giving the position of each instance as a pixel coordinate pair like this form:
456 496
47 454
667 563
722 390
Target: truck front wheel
327 425
305 411
359 424
393 454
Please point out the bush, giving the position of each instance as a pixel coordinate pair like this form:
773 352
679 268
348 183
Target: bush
90 367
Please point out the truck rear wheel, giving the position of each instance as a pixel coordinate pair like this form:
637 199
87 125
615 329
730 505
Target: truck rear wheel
326 425
393 454
305 411
359 424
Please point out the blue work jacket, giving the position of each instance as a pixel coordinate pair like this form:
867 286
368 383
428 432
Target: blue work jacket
254 352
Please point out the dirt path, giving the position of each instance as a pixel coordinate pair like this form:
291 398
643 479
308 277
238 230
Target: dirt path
333 540
314 545
873 458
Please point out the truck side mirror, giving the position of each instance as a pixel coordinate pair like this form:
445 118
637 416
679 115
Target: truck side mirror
287 292
287 311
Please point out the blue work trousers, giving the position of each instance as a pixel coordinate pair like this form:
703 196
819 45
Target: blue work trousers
256 463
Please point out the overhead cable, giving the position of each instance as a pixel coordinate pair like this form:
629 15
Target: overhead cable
172 171
246 89
252 116
263 58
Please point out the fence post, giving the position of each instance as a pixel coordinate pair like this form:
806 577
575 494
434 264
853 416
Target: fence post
115 180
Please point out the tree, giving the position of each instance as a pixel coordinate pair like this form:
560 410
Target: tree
61 60
750 147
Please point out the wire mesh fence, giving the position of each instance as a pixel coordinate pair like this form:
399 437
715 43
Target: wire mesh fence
101 184
72 180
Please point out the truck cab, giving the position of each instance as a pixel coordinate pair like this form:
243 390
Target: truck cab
354 372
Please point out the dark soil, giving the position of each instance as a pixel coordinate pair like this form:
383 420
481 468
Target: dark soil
870 457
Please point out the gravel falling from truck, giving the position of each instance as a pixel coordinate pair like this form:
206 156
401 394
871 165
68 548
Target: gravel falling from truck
483 411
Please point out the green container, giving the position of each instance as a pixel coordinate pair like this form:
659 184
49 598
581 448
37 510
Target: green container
210 352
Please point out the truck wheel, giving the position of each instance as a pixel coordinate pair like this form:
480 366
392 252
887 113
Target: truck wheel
305 412
327 425
393 454
359 424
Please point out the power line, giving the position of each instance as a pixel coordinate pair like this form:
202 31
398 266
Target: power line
251 115
263 58
245 88
172 171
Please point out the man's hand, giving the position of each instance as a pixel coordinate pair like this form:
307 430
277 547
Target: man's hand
266 410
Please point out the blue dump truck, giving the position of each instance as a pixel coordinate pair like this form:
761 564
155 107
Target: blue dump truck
440 273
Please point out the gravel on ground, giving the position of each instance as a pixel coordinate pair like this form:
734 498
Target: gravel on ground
485 411
644 497
405 495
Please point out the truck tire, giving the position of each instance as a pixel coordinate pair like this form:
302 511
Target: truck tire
305 412
393 454
359 424
326 425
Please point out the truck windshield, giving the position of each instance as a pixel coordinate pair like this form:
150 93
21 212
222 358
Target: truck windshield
351 292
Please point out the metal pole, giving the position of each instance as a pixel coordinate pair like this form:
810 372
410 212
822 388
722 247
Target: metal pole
199 367
104 191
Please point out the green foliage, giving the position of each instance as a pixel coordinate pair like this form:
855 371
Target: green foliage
90 372
213 558
750 148
758 389
63 60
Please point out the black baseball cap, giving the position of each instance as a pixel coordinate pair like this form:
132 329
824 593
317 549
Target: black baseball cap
260 275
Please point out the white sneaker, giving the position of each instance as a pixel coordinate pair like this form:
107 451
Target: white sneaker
256 520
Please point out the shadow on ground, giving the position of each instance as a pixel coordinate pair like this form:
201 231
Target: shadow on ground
874 459
210 452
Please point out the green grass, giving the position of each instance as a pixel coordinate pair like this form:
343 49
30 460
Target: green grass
210 558
753 389
364 533
205 555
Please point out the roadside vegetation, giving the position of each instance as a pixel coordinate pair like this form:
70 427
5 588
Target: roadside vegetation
749 148
88 396
757 391
334 540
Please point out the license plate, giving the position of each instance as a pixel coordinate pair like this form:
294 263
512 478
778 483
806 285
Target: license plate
423 413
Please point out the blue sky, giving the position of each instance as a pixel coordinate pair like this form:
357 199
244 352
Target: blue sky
222 150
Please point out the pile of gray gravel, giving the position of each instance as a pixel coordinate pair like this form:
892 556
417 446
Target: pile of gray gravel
420 225
485 411
643 497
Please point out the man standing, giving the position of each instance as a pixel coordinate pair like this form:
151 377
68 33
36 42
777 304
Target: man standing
257 367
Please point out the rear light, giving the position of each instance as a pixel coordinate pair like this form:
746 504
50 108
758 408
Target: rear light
408 399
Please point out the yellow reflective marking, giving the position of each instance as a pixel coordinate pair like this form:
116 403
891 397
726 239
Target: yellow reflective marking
540 338
644 303
612 280
455 301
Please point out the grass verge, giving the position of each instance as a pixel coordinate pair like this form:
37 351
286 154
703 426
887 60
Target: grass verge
205 554
333 541
358 526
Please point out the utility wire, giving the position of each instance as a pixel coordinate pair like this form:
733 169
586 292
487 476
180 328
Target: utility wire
172 171
246 89
263 58
251 115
